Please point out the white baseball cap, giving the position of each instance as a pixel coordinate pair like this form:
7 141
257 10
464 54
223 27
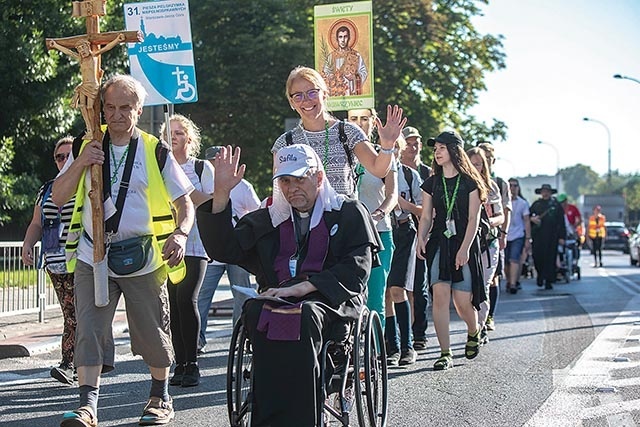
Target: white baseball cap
294 160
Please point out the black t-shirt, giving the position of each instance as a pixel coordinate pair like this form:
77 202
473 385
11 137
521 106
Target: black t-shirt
433 186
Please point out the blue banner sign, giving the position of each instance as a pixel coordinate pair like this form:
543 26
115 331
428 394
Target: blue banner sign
164 61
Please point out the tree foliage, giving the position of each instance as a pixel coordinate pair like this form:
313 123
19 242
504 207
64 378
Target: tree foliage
428 58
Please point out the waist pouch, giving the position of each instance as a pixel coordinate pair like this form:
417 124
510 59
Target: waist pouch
130 255
51 235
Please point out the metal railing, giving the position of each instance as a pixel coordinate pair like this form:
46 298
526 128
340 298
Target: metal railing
23 289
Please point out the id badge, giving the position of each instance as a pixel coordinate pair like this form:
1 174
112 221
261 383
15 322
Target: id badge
451 228
293 266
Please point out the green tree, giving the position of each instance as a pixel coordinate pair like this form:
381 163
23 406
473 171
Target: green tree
428 57
579 180
37 87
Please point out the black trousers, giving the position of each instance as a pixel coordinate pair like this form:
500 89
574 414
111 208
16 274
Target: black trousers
286 374
420 301
545 252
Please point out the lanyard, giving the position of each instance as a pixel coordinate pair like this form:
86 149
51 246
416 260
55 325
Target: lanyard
118 163
449 202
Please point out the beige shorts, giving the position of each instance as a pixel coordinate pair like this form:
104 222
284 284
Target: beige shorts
147 305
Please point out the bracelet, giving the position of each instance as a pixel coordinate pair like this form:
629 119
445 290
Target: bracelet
387 150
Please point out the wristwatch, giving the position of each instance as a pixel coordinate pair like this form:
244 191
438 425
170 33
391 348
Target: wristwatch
179 230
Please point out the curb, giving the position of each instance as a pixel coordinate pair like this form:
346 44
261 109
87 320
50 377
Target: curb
47 340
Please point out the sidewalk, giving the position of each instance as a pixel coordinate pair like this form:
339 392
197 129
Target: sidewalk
22 335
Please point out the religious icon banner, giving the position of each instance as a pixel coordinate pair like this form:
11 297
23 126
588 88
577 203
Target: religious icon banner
343 34
164 61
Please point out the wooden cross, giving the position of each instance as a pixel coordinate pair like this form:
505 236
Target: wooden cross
88 50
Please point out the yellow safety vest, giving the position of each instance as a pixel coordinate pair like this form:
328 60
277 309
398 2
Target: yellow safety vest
159 204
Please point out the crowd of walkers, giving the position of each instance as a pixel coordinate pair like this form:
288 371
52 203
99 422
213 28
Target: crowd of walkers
452 231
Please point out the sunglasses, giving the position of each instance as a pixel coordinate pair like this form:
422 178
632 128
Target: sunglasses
311 94
61 157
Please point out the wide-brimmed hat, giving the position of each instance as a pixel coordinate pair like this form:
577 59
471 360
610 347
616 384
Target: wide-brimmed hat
546 187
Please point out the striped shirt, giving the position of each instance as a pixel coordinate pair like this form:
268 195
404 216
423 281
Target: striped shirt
55 261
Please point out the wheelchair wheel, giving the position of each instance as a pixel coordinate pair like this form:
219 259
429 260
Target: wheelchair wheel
239 375
371 368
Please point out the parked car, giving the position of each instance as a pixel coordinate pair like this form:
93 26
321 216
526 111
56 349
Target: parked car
617 237
634 247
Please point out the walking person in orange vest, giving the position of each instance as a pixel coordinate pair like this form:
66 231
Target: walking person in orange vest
597 233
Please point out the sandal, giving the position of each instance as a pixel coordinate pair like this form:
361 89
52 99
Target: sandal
81 417
444 362
472 348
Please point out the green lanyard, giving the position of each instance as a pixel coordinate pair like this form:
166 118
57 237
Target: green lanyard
117 164
449 202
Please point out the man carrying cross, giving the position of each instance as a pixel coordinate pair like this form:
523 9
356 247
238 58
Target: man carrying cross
128 155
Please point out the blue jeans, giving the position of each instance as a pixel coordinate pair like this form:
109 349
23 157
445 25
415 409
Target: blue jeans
237 276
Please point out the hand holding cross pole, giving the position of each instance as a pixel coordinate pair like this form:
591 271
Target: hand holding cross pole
88 54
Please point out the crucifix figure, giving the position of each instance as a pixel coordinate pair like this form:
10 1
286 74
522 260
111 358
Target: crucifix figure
86 92
88 50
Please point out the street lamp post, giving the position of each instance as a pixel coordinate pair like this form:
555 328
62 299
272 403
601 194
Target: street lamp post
620 76
587 119
557 162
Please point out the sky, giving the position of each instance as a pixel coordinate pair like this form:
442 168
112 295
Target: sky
561 56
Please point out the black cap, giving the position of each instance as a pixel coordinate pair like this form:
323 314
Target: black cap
448 137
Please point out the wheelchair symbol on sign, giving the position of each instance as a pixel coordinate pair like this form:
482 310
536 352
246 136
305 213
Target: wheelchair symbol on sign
186 91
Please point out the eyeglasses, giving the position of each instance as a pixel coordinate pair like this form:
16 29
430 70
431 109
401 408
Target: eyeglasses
311 94
61 157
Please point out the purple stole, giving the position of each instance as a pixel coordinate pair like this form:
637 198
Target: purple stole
317 244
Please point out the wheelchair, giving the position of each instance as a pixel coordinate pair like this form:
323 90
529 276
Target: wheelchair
357 377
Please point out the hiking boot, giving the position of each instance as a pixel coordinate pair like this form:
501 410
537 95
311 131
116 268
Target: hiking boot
393 359
63 373
157 412
490 324
178 373
407 357
420 344
191 377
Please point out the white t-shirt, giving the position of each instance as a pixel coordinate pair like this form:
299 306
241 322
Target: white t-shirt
516 228
136 216
371 192
204 184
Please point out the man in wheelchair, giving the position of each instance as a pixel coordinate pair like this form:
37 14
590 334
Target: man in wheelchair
311 251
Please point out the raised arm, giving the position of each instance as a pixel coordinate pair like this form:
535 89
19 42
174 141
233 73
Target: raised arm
379 164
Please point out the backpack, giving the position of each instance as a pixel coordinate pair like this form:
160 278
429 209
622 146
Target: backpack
199 167
49 240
